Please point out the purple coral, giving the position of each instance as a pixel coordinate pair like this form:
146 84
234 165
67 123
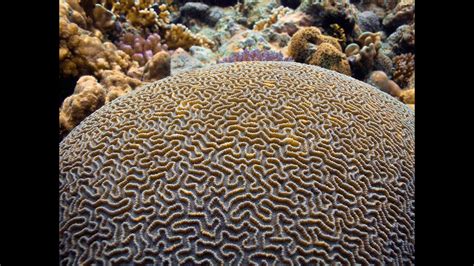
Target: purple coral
140 49
255 55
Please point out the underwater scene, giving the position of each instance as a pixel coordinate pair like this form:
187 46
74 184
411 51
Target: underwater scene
245 132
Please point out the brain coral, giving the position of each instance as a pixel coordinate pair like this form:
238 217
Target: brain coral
244 163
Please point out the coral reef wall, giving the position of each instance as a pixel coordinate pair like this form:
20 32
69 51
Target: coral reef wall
137 42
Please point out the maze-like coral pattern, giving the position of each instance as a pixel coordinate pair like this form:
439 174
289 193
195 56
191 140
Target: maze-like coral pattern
252 163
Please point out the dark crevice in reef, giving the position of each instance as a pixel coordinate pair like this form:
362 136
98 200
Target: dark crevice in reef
66 88
294 4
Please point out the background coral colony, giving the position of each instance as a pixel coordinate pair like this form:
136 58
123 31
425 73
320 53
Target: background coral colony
236 132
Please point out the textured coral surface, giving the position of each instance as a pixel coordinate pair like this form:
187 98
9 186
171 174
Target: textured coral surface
243 163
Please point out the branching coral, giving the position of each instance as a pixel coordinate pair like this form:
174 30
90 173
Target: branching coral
404 67
310 46
368 58
141 13
180 36
338 33
241 161
140 49
277 13
255 55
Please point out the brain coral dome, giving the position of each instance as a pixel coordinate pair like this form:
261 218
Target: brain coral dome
248 163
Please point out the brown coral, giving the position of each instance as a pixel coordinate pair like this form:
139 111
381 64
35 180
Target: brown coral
299 47
250 163
88 96
117 84
329 57
140 13
404 67
380 80
83 52
158 67
408 96
310 46
180 36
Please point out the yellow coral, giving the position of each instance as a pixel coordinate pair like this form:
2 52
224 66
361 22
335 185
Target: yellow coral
329 57
83 51
408 96
326 51
180 36
339 33
298 47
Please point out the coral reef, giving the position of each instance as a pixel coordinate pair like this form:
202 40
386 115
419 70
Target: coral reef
368 21
404 13
117 84
402 41
88 96
277 13
255 55
140 49
142 13
158 67
178 36
380 80
182 61
248 163
82 51
309 45
329 57
408 96
404 65
126 40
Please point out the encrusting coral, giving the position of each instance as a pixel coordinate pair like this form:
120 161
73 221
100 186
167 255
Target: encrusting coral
309 45
248 163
